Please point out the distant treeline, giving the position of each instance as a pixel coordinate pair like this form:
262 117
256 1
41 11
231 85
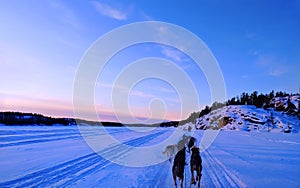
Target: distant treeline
258 100
20 118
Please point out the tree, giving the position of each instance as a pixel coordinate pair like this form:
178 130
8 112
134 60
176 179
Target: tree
238 100
259 102
270 121
271 95
291 107
298 113
279 94
253 98
205 111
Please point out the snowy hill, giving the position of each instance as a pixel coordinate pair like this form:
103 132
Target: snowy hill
280 118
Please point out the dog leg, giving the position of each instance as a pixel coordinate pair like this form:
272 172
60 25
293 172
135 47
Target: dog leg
199 169
174 177
175 182
181 183
192 178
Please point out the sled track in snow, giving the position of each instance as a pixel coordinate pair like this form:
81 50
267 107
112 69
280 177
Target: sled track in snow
30 137
68 173
215 173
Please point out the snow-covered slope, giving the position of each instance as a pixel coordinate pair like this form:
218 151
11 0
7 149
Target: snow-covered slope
250 118
279 117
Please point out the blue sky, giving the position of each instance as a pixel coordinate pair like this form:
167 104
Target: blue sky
256 44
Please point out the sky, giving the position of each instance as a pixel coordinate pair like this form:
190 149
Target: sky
256 44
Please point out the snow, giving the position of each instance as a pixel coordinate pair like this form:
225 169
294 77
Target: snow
248 118
41 156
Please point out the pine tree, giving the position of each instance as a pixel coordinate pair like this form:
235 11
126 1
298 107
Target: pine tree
291 107
270 121
298 112
271 95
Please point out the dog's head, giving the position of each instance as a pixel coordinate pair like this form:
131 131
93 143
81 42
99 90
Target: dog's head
192 139
195 149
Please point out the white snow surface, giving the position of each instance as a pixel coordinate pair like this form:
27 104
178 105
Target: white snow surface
248 118
34 156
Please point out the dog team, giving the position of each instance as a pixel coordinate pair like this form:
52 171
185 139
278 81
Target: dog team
179 150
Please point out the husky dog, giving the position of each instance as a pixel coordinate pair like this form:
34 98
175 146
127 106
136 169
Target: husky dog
178 166
196 165
170 151
191 143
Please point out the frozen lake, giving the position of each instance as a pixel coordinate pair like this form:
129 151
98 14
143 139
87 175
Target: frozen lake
40 156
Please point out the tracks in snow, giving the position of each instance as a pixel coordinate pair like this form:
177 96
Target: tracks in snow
25 137
68 173
214 172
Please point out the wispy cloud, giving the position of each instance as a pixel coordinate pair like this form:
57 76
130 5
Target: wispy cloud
25 103
142 94
252 35
111 86
173 54
146 16
174 100
274 65
177 56
245 76
135 93
253 52
166 90
277 71
67 14
110 11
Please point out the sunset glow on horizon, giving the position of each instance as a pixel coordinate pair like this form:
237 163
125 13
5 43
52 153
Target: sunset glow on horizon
42 43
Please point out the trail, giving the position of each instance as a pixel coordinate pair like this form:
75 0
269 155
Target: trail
70 172
59 157
215 173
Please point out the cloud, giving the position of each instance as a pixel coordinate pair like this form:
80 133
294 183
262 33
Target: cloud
111 86
277 71
274 65
135 93
251 35
142 94
174 100
245 76
26 103
166 90
146 16
111 12
253 52
173 54
68 15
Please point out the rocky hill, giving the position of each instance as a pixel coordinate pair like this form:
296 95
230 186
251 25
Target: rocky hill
281 117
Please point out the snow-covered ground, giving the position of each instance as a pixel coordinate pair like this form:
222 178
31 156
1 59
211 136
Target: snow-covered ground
34 156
